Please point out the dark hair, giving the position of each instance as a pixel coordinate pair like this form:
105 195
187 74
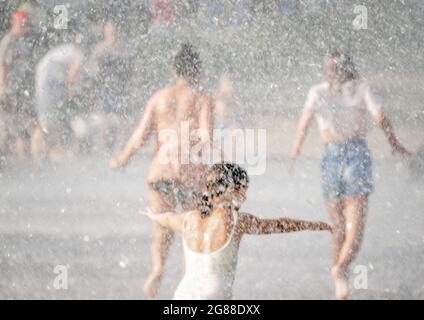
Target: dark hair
187 62
220 177
340 68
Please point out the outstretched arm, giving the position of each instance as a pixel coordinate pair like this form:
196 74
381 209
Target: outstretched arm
138 139
254 225
169 220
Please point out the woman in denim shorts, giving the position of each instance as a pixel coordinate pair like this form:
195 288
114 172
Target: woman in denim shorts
343 106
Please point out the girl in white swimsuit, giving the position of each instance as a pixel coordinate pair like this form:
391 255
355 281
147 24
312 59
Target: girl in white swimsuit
212 233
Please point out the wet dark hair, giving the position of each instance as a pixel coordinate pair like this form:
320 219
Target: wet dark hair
220 177
187 62
340 68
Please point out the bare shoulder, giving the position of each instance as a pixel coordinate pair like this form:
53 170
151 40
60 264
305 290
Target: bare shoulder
162 94
364 86
189 213
159 99
245 219
190 216
245 223
319 87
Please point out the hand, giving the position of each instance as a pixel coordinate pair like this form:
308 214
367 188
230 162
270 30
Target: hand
115 164
397 148
292 160
326 227
146 212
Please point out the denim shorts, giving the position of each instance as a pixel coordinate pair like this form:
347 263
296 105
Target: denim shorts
346 170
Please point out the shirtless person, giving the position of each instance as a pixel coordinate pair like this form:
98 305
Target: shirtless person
17 118
112 69
171 179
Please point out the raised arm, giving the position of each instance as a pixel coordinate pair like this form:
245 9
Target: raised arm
139 137
251 224
169 220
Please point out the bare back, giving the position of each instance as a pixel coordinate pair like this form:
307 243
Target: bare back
176 112
210 234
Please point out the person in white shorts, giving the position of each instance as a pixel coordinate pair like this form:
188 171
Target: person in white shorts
55 75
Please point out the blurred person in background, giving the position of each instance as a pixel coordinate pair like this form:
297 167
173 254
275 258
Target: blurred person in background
17 114
343 105
111 70
164 12
57 74
226 119
107 94
224 102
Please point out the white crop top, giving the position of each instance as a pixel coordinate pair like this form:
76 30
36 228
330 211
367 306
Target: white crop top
344 113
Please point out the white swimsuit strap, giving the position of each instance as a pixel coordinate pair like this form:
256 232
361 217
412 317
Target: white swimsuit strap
185 221
235 219
230 237
184 228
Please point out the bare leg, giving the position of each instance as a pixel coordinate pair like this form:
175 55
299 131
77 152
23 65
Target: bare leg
21 147
162 240
339 222
337 217
56 146
355 213
3 133
38 144
25 125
